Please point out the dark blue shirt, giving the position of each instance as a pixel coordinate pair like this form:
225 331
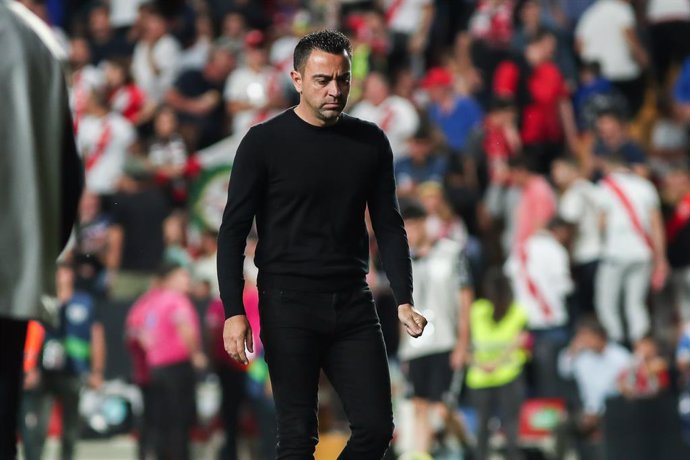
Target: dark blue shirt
458 123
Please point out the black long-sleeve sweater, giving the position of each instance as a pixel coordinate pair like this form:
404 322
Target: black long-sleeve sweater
309 187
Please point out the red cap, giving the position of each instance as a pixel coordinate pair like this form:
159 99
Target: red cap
437 76
254 39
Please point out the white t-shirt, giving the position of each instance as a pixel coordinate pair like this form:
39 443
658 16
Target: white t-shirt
396 116
405 15
578 206
668 10
166 52
548 270
106 170
437 280
246 85
601 30
621 240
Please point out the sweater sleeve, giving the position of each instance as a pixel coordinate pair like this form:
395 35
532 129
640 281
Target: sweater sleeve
244 192
388 227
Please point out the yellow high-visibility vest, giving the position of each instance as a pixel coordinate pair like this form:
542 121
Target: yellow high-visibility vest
490 339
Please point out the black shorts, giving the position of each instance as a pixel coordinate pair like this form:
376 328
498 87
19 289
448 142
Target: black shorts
430 376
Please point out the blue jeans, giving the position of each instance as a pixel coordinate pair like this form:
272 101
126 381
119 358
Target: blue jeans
339 332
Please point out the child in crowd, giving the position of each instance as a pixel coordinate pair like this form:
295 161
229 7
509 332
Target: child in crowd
168 155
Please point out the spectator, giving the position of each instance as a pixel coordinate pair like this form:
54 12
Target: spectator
578 207
197 98
669 34
104 42
167 156
541 95
634 250
409 23
91 248
104 138
124 96
204 267
498 139
676 190
396 116
607 33
498 355
135 238
154 64
595 364
592 87
84 78
424 163
444 287
539 272
613 139
196 55
455 114
72 353
174 236
491 31
170 337
648 375
531 19
441 221
537 203
233 31
252 91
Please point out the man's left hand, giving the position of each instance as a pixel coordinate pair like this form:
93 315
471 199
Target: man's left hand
413 321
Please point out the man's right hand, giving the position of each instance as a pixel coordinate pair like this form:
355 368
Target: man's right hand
237 336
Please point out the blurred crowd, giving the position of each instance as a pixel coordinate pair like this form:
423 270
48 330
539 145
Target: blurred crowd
542 161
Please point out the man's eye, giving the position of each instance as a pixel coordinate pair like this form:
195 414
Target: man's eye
321 82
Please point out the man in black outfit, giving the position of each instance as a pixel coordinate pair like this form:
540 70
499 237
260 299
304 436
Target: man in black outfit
308 175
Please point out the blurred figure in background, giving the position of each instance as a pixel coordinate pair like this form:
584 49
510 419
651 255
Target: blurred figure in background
154 63
499 341
443 289
104 42
42 180
425 163
676 192
395 115
73 354
197 97
607 33
169 334
648 374
167 156
613 139
595 364
83 78
539 272
124 95
578 207
540 92
104 138
537 204
634 251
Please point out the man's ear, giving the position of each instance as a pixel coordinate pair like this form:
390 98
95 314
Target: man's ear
296 78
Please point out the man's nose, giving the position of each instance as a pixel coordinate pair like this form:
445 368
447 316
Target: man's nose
334 88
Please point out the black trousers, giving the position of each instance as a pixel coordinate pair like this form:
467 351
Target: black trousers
174 409
340 333
12 338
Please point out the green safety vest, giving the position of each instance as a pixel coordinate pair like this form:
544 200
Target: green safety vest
489 341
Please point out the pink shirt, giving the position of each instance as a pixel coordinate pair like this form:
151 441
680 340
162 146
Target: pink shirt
163 312
133 329
537 206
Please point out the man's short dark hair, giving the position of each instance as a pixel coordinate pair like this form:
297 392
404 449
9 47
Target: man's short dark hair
330 41
591 324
